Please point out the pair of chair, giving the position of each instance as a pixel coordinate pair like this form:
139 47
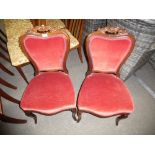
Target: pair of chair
102 92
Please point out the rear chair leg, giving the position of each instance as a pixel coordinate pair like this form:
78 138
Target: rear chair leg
32 115
124 116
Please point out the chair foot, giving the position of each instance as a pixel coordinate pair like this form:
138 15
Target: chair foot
7 119
124 116
79 114
30 114
74 114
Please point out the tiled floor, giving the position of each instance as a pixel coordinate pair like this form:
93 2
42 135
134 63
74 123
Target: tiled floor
142 121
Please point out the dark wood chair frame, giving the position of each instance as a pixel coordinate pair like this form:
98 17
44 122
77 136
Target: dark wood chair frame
106 32
35 32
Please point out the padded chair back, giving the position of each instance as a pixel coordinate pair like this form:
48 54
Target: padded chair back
108 49
47 53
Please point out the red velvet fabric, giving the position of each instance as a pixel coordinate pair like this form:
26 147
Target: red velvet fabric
49 93
104 95
47 52
108 53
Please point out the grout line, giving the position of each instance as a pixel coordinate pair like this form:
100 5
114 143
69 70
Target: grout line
145 86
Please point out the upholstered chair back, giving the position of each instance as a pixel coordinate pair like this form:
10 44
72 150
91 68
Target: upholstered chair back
47 53
107 52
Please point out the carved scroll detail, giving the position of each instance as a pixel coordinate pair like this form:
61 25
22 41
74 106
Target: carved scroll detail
113 30
41 30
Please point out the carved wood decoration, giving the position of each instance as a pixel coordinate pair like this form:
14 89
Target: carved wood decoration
113 30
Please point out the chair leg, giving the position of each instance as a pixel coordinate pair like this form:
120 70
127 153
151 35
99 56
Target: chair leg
22 74
79 114
7 119
6 70
74 112
123 116
32 115
7 84
80 53
8 97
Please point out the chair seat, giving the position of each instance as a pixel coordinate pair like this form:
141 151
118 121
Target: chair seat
49 93
104 95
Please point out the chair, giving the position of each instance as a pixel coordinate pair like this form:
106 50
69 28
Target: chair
103 93
75 27
66 22
51 90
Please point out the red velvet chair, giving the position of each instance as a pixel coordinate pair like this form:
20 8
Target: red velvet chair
51 90
103 93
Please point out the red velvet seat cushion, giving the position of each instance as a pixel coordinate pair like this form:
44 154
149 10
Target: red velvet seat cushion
47 53
107 53
104 95
49 93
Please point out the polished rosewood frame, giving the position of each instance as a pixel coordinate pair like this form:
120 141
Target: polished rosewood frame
112 32
41 31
